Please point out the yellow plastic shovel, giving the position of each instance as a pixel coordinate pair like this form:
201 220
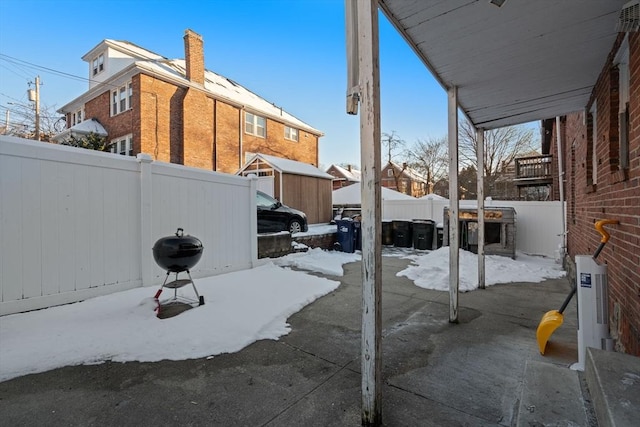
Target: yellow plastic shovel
552 320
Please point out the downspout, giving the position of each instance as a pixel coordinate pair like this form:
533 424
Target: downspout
240 111
563 245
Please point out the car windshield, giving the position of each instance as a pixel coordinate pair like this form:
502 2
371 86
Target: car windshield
264 200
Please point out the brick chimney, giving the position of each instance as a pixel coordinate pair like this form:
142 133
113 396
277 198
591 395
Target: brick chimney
194 56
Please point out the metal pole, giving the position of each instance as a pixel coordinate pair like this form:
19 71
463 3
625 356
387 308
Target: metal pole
481 265
454 204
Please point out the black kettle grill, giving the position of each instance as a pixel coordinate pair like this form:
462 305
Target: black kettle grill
177 254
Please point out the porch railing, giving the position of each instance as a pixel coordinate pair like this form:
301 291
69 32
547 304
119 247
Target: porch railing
534 167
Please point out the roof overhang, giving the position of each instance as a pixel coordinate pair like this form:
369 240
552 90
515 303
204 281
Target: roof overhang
521 62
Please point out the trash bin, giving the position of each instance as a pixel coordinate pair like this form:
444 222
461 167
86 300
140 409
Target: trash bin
402 237
439 237
387 233
423 234
357 235
345 235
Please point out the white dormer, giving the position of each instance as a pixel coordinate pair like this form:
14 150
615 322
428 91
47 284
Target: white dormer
111 56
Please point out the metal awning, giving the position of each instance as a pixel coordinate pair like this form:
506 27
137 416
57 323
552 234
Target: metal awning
521 62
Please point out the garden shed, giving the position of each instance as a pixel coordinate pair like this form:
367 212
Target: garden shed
298 185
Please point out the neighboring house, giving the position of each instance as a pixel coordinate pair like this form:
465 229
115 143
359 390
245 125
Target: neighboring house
404 179
343 177
601 170
179 112
295 184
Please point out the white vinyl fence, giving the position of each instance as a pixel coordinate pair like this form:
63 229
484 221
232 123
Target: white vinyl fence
77 223
538 224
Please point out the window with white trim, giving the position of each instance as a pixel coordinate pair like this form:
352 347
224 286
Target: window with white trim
291 133
255 125
121 99
76 117
122 145
98 64
390 172
622 62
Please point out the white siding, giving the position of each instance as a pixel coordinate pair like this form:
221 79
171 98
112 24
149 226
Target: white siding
538 224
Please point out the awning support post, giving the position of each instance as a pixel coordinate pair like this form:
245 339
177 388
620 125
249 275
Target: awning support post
481 264
363 61
454 204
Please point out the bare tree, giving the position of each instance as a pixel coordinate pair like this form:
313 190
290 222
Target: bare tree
23 118
429 157
393 144
501 146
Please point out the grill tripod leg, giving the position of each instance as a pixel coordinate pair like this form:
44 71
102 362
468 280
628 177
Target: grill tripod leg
200 298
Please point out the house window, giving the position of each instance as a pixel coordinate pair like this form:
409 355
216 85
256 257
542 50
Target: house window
390 172
291 133
98 64
254 125
76 117
121 99
123 145
622 62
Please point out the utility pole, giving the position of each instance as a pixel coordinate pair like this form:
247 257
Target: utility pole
6 123
35 97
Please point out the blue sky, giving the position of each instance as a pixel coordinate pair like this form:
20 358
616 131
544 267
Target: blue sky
290 52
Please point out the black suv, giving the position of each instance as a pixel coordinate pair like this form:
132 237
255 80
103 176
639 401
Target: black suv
273 216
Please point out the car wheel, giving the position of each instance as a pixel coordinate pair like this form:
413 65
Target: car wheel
295 226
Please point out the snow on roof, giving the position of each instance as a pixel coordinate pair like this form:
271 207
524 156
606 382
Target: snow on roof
433 197
133 49
90 126
350 175
227 89
289 166
411 172
83 128
350 195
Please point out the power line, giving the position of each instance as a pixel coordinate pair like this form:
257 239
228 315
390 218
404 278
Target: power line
17 61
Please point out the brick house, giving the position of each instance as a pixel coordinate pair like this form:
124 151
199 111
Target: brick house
179 112
403 179
343 177
601 158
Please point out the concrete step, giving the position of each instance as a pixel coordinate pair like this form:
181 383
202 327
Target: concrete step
614 385
552 396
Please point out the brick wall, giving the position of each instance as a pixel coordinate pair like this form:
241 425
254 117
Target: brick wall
275 144
614 195
198 130
161 129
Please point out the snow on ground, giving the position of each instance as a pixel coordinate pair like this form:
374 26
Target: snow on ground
240 308
431 270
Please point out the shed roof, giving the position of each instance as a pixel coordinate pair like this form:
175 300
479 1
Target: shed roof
287 166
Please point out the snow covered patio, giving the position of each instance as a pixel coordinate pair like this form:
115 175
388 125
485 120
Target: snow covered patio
261 351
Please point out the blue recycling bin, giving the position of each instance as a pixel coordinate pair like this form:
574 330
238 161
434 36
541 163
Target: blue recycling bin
345 235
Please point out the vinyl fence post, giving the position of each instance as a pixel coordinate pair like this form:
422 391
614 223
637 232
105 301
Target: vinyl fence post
146 223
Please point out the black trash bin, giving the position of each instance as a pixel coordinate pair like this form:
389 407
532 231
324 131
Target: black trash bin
345 235
402 236
439 237
357 235
423 234
387 233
